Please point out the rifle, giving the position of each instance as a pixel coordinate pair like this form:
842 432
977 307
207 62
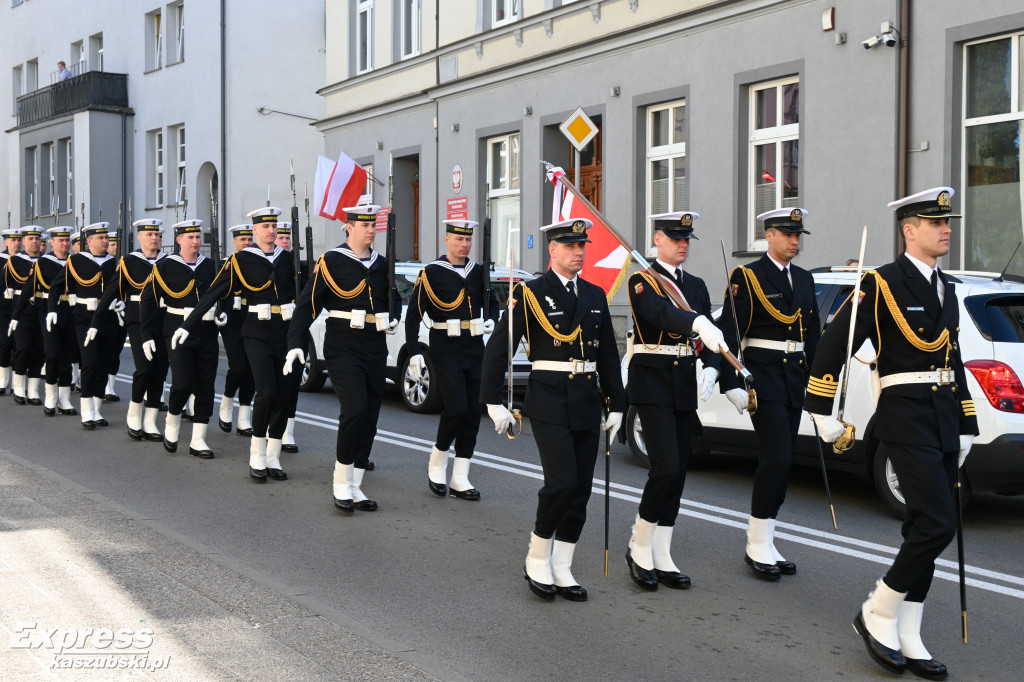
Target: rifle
297 265
390 249
485 253
309 234
214 228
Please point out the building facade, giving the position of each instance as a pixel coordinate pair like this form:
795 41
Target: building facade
728 108
166 101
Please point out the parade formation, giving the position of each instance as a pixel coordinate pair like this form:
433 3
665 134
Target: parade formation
65 307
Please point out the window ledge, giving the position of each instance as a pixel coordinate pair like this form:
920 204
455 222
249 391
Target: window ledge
747 254
152 70
170 64
153 208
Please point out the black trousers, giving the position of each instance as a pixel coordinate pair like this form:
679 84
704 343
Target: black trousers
95 358
927 479
775 426
193 370
239 377
148 378
458 379
568 459
276 393
60 349
114 361
6 342
28 347
668 434
358 382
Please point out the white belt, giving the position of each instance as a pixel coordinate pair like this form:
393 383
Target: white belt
135 298
784 346
347 315
264 311
42 295
475 327
208 316
572 366
942 377
89 303
679 350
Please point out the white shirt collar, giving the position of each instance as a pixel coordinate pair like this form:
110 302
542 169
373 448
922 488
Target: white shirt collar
925 270
779 265
564 280
671 269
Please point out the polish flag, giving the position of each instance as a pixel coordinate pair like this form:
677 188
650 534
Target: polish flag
337 186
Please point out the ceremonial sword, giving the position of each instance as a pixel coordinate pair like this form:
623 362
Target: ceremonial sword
846 441
751 393
512 435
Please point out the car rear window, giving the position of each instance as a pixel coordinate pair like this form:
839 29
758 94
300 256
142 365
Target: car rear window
999 317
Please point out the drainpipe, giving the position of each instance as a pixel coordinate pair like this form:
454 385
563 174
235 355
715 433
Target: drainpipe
124 229
223 184
903 90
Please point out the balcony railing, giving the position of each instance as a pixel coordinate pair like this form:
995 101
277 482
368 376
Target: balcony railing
91 89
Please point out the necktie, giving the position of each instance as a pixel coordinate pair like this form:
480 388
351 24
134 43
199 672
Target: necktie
679 278
571 288
935 286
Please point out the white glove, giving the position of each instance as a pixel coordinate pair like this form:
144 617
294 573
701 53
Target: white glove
221 320
965 447
488 326
11 327
739 398
289 360
416 366
51 321
180 336
706 382
501 417
392 328
611 424
90 335
149 349
117 306
709 334
829 428
120 317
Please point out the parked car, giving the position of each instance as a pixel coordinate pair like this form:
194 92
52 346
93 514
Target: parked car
419 395
992 346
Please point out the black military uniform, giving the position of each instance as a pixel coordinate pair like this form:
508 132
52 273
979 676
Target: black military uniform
114 361
7 293
923 419
267 281
288 444
133 273
28 356
779 327
84 280
452 299
663 387
239 379
354 291
177 286
571 344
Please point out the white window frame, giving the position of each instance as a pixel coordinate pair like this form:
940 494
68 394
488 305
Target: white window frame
179 158
514 9
509 174
367 197
159 159
33 197
364 7
1016 113
158 40
52 168
180 13
762 136
666 152
69 192
414 28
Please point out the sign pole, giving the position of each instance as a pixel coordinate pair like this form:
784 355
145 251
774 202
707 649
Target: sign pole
577 166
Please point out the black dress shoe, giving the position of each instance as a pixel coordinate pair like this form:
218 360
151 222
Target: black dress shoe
766 571
185 416
786 567
540 589
930 669
673 579
69 411
3 391
370 466
344 505
439 489
89 426
224 426
471 494
152 436
573 593
258 475
244 432
890 659
277 474
289 447
111 398
163 406
641 576
366 505
134 434
201 454
75 388
169 446
34 401
18 399
101 422
50 411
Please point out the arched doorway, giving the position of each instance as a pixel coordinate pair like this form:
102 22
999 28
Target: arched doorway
208 190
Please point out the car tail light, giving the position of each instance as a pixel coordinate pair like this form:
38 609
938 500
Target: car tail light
1000 383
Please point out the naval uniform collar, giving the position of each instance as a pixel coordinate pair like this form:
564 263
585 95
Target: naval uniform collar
777 264
22 254
60 261
346 250
263 254
461 270
141 256
98 260
922 267
564 280
178 258
670 269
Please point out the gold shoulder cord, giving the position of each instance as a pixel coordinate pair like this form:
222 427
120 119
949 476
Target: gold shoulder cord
14 274
901 322
39 277
424 283
772 310
131 282
167 290
238 272
85 282
337 290
534 305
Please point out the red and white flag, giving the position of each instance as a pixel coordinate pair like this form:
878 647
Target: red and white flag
607 261
337 186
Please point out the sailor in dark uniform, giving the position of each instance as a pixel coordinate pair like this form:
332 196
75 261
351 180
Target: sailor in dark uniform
779 327
568 328
239 379
925 420
351 283
177 283
114 361
664 385
284 240
27 358
84 279
266 277
449 292
134 271
12 244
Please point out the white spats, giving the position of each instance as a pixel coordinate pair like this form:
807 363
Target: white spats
171 427
342 481
199 437
640 548
85 410
96 403
109 390
134 418
561 563
289 434
33 388
50 401
149 420
880 614
5 375
538 560
771 541
910 615
357 482
460 475
437 469
244 417
19 385
227 409
274 453
759 540
661 544
64 398
258 453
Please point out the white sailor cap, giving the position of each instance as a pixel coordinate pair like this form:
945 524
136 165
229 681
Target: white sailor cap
60 231
12 233
187 226
284 228
75 236
464 227
31 231
677 225
149 225
568 231
95 228
364 213
241 230
267 214
112 236
785 220
934 203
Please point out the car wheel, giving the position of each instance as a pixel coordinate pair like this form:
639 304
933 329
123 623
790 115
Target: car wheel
420 395
635 439
313 376
888 486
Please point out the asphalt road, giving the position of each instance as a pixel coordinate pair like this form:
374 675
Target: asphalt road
438 582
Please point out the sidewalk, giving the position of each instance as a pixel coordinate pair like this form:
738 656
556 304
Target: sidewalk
158 610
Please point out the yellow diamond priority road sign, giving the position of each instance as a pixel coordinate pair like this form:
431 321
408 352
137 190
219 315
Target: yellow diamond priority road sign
578 129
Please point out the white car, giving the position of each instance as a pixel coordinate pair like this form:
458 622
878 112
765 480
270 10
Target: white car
992 346
419 395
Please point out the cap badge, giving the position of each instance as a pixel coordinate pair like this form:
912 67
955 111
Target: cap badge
579 226
943 200
686 220
797 215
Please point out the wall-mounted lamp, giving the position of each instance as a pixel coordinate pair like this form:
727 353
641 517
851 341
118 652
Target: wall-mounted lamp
527 111
614 91
455 127
380 145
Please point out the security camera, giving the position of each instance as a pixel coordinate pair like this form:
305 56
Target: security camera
889 39
871 42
